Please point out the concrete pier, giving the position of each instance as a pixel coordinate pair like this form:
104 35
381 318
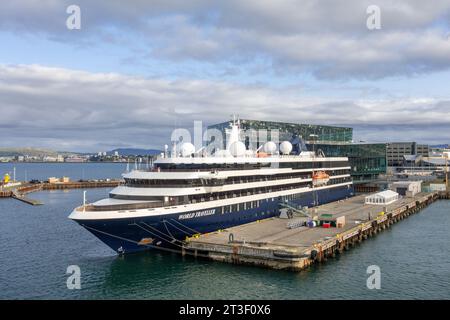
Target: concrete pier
21 191
27 200
270 243
81 185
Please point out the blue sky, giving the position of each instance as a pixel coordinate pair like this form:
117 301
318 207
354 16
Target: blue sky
135 71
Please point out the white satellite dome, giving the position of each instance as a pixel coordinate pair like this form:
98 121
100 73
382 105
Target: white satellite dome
286 147
187 149
270 147
237 149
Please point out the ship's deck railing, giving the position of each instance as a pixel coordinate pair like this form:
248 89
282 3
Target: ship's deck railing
120 207
200 198
223 181
270 156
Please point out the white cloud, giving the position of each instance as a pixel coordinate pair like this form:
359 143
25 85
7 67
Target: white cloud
77 110
326 38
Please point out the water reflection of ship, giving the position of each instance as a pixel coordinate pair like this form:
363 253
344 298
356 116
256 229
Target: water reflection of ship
131 276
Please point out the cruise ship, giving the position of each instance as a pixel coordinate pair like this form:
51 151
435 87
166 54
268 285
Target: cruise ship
187 193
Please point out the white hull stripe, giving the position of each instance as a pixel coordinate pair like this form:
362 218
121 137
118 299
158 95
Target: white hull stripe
222 174
183 191
108 215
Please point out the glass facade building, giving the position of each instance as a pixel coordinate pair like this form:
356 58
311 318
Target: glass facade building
287 130
367 160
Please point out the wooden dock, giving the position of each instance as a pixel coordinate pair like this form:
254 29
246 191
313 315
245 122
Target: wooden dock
270 243
27 200
5 194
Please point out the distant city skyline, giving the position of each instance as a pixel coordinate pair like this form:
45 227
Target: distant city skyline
135 71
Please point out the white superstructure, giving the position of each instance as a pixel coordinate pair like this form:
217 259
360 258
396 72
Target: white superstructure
230 187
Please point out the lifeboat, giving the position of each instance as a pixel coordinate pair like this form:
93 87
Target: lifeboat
262 155
320 178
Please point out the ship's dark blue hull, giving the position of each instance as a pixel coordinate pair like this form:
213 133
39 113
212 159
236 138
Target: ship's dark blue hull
167 231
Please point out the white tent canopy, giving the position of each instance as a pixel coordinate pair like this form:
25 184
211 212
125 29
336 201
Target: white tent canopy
382 198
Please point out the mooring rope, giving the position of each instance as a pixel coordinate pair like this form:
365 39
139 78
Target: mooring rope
185 232
196 232
165 235
168 231
150 232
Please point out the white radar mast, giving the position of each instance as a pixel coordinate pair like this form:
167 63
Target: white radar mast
234 146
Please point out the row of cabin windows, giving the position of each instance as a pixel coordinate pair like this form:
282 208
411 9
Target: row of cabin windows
291 197
255 204
231 180
230 194
248 166
301 175
245 206
246 192
253 191
239 207
212 166
318 165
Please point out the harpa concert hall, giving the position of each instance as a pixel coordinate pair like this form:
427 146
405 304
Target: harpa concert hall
368 160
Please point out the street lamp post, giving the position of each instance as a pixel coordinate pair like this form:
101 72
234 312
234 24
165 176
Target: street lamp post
446 158
314 137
